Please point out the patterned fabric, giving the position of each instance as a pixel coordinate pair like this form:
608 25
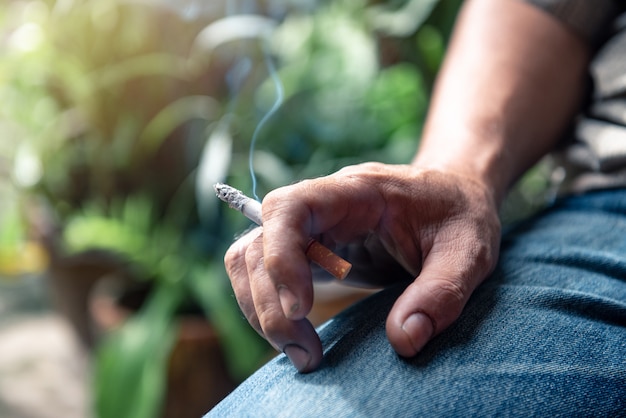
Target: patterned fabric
588 18
595 154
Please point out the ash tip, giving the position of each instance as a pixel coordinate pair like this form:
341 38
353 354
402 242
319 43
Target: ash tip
235 198
221 190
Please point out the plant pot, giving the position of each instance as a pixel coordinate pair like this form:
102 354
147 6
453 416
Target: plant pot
70 281
197 376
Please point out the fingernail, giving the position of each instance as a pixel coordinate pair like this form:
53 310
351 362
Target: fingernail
288 301
419 328
298 356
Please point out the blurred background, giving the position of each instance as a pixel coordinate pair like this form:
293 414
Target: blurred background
116 119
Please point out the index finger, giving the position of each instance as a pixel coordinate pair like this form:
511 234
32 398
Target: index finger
291 215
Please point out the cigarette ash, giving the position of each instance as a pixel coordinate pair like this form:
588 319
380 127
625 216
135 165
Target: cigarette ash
235 198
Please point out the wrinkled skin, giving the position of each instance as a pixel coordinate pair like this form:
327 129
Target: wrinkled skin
440 227
511 83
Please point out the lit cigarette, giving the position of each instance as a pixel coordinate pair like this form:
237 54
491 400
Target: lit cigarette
315 251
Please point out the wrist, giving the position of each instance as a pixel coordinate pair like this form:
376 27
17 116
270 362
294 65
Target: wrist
483 162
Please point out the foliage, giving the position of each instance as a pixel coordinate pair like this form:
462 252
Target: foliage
120 116
133 385
352 92
106 115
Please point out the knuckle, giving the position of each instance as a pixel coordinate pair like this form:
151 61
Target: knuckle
486 260
483 251
249 311
451 291
273 264
362 168
273 197
253 257
451 296
253 260
276 200
233 257
271 321
236 256
234 260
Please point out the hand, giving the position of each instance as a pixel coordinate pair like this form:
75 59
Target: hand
441 227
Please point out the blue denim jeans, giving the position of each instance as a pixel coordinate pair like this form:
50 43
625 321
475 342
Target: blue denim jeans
544 335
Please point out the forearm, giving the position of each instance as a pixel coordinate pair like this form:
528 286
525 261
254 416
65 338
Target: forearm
511 82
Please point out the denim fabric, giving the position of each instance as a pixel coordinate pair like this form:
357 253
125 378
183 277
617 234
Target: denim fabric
545 335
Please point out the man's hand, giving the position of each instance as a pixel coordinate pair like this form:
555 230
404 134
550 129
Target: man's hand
441 227
512 81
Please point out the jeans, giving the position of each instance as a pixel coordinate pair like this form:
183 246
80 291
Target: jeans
544 335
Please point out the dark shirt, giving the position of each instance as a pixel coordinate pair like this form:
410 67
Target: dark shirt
594 154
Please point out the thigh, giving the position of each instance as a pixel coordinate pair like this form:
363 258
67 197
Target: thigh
545 334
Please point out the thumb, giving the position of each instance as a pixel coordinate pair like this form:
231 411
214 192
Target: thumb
430 304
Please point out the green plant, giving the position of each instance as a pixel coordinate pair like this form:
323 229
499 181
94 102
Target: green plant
109 115
132 361
355 89
125 113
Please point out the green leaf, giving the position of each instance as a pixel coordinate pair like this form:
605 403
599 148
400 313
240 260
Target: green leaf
131 364
403 21
245 350
174 114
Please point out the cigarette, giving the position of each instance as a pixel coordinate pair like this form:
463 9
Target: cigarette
316 252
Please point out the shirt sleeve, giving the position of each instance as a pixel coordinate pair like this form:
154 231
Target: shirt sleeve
589 19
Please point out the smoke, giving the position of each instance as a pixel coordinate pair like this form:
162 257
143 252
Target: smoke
278 86
243 20
237 75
